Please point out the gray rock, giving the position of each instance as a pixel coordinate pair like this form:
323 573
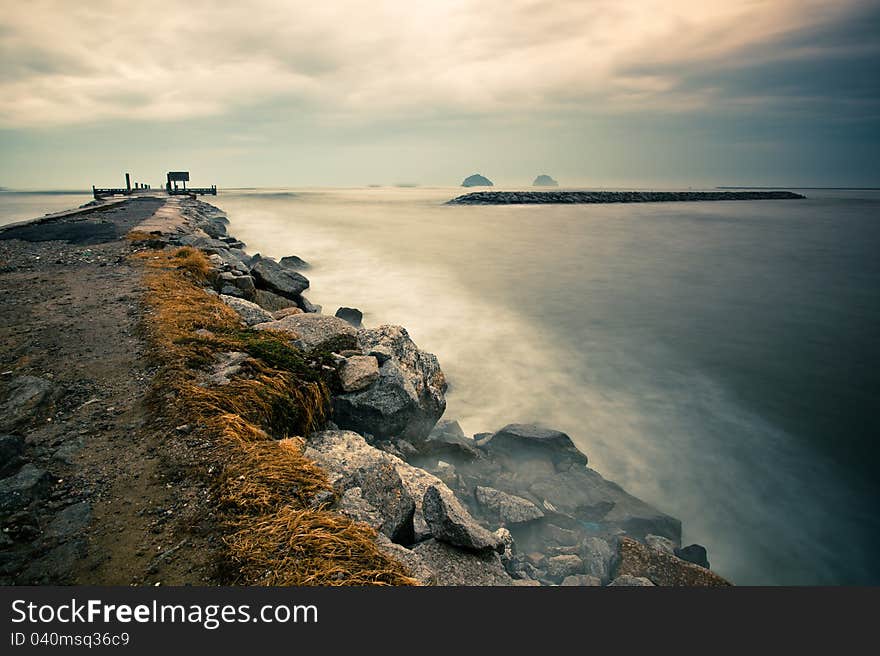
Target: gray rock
272 302
450 522
447 440
409 396
24 399
70 521
250 313
244 284
558 567
456 567
351 315
358 372
293 262
517 440
508 508
270 275
19 490
631 582
11 450
581 580
694 553
314 332
411 560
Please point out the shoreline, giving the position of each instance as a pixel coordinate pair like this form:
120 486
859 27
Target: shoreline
517 506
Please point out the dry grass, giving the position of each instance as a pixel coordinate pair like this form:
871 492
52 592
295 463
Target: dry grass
276 530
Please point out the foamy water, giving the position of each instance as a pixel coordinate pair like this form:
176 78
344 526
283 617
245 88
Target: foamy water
602 321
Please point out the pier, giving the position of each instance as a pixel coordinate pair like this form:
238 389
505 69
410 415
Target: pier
171 187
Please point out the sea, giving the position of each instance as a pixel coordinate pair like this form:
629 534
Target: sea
719 360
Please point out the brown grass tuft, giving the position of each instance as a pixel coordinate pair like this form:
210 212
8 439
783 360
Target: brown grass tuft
276 530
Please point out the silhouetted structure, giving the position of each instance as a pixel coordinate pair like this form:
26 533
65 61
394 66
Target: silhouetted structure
103 192
183 177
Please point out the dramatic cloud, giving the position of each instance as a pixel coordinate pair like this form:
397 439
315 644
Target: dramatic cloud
81 63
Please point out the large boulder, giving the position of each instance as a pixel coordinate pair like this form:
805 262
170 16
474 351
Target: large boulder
250 313
272 302
314 331
342 453
366 479
448 441
456 567
270 275
476 180
407 399
516 441
451 523
661 568
545 467
508 508
293 262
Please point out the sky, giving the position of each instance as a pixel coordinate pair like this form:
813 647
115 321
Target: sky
648 93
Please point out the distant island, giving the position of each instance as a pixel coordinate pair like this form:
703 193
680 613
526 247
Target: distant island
477 180
544 180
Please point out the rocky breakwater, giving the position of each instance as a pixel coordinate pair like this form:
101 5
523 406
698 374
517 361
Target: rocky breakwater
593 197
517 506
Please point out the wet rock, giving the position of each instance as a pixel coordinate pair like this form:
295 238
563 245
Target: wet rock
293 262
627 581
250 313
11 450
407 399
314 332
636 559
694 553
24 399
20 489
244 284
351 315
451 523
270 275
558 567
456 567
508 508
447 440
523 440
582 580
358 372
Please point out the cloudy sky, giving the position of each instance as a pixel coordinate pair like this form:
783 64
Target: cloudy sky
344 92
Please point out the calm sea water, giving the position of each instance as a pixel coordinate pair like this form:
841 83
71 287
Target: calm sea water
718 360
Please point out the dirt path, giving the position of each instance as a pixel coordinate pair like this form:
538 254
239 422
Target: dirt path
95 488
